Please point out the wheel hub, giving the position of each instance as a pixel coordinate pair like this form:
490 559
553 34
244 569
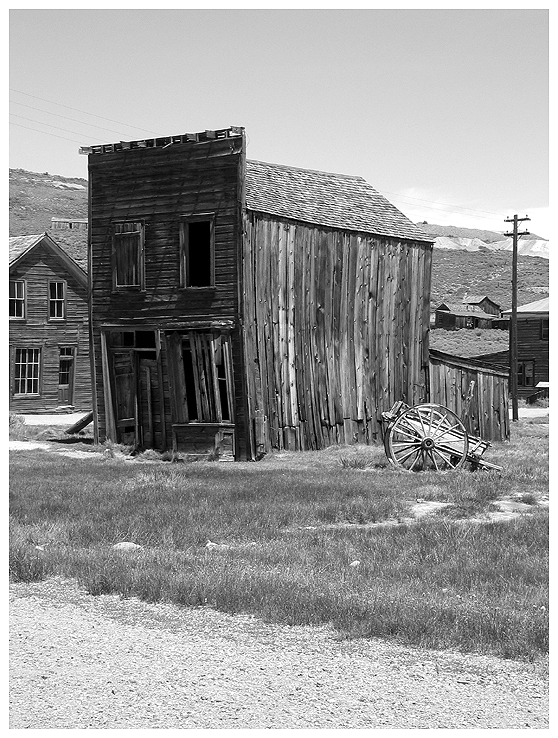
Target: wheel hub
427 443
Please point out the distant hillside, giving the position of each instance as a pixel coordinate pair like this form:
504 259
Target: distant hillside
468 343
36 198
472 239
457 273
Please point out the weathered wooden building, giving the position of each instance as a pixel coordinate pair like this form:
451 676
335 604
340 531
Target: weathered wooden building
452 317
484 303
48 327
239 306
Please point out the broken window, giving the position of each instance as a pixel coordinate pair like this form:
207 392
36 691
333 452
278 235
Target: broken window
56 300
128 255
200 366
26 371
197 251
17 298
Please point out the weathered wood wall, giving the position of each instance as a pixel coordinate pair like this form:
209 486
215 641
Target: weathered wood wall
488 413
36 331
335 331
157 186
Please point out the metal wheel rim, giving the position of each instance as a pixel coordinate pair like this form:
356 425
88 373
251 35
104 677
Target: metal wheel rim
428 438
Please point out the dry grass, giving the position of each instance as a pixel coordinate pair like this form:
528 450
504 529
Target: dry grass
287 530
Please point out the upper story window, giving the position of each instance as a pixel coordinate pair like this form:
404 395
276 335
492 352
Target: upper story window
56 300
17 298
197 258
526 373
128 255
544 329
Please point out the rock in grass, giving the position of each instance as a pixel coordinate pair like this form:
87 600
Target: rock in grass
127 546
355 563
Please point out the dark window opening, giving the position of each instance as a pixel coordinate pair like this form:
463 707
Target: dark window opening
544 329
145 339
197 252
223 393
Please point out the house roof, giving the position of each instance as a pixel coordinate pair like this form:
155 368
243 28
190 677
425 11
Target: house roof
475 299
539 306
456 308
20 246
323 198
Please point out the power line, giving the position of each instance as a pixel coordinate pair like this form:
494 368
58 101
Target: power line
85 112
445 204
65 117
46 133
58 128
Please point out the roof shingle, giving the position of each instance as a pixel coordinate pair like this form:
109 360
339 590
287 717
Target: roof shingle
322 198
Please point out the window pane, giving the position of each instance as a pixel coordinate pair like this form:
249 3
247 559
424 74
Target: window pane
56 300
17 299
26 374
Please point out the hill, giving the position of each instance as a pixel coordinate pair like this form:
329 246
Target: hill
35 198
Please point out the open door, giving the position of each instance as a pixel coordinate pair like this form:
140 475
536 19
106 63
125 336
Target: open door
66 376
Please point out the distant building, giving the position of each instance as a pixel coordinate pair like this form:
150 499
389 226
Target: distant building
453 316
484 303
532 345
68 224
48 338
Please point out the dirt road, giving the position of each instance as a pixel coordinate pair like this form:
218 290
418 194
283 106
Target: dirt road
78 661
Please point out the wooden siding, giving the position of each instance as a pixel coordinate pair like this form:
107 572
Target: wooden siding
451 321
335 331
157 186
488 412
36 269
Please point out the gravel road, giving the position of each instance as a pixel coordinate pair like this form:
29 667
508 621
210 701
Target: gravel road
78 661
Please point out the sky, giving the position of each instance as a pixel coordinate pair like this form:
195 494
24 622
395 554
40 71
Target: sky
445 112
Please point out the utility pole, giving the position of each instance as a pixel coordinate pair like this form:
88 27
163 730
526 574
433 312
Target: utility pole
513 325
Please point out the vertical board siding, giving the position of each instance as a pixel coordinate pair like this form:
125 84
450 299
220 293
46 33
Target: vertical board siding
337 330
488 414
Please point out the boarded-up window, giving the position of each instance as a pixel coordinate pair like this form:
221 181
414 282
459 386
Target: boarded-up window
27 371
544 329
17 298
128 255
56 300
197 251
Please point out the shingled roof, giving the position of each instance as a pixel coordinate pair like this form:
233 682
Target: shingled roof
322 198
20 245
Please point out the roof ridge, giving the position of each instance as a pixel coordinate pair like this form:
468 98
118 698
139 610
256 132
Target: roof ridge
305 169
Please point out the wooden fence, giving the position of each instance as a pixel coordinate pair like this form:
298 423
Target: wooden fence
487 414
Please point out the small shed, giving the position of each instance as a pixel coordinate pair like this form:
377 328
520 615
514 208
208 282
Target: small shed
453 316
48 327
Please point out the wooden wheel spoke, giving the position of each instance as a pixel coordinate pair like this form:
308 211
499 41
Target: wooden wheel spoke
402 458
414 435
447 459
416 459
446 430
422 423
433 459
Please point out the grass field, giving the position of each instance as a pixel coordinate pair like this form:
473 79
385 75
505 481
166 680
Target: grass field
288 532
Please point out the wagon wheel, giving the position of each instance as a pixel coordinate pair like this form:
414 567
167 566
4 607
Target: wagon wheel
427 437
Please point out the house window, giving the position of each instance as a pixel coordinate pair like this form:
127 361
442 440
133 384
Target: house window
26 371
526 374
56 300
128 255
208 377
65 365
197 251
17 299
544 329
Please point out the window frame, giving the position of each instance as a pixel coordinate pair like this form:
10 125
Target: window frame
521 371
57 300
544 332
185 221
134 227
39 365
22 300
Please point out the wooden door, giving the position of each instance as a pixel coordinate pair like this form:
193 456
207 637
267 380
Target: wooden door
66 376
126 415
148 402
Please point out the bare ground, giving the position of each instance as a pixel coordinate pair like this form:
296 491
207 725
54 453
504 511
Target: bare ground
78 661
